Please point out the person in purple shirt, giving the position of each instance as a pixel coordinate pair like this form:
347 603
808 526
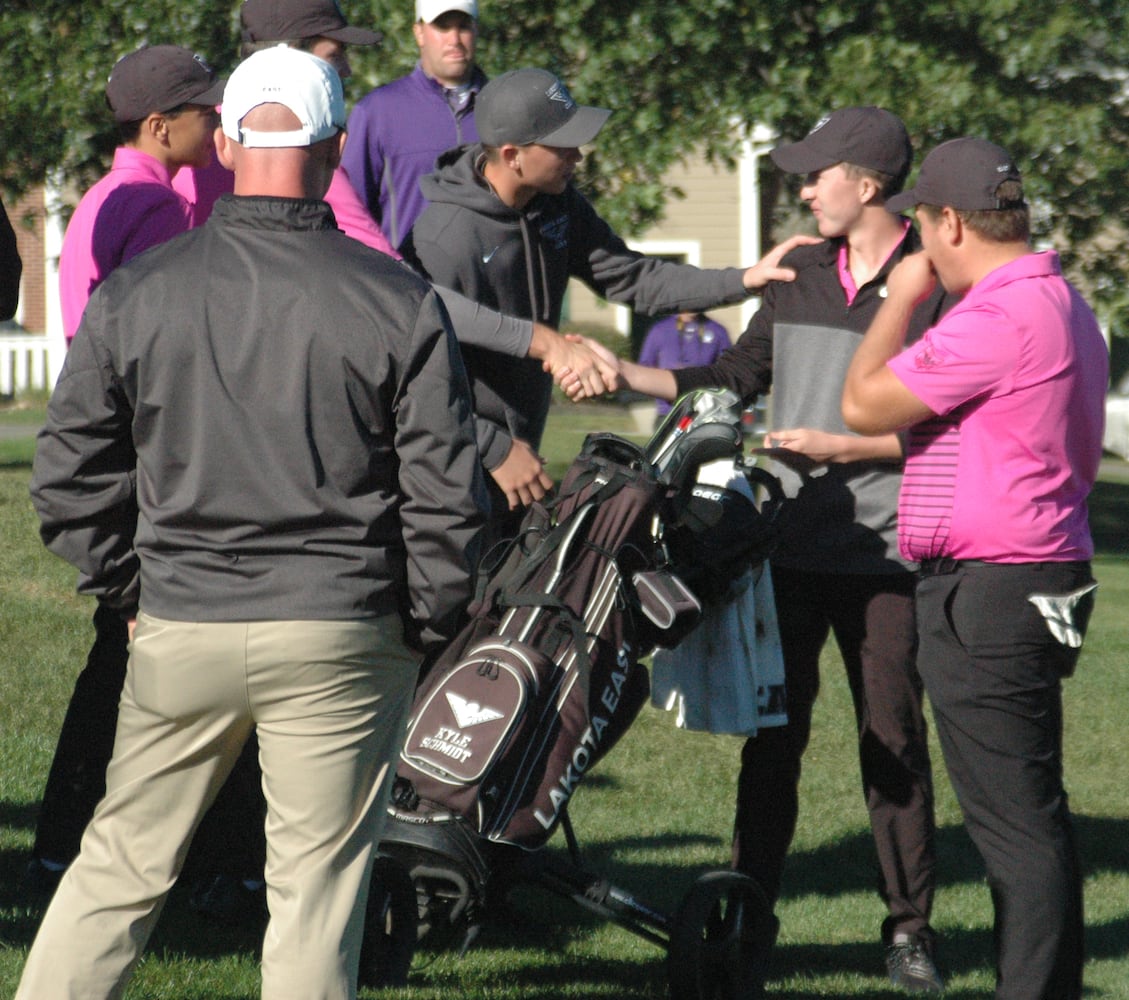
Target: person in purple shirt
684 340
163 99
396 132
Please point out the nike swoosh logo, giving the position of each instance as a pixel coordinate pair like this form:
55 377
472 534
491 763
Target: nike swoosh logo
487 257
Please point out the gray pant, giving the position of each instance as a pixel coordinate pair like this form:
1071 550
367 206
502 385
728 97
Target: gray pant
329 700
872 619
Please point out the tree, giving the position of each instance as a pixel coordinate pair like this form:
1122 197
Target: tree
57 55
1046 81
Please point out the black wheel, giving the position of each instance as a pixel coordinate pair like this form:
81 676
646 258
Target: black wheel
390 926
720 939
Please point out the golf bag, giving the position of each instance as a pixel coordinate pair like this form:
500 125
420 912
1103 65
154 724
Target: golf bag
545 677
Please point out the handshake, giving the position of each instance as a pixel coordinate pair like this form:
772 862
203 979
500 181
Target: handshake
582 367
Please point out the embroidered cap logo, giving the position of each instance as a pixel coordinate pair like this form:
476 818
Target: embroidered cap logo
559 92
819 124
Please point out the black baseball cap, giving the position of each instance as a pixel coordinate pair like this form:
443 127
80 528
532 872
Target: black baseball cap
868 137
964 174
159 78
285 20
525 106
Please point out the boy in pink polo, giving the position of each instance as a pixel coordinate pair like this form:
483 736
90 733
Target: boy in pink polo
163 98
1003 400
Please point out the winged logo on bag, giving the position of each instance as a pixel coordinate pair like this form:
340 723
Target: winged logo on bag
470 713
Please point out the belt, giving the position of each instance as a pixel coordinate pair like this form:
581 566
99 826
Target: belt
946 565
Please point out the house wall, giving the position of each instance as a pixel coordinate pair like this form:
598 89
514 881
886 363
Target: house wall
29 219
716 224
32 347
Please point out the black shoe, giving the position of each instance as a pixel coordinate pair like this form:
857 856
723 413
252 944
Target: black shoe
39 881
228 900
911 966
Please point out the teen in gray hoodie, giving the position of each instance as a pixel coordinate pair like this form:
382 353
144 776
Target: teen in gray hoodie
506 227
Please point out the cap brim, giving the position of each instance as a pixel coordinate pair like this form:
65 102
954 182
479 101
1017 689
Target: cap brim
212 96
900 202
579 130
800 158
354 36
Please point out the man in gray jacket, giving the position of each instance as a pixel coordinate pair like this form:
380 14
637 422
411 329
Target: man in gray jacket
506 227
261 440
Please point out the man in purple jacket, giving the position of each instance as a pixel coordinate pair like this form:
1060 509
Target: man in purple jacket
397 131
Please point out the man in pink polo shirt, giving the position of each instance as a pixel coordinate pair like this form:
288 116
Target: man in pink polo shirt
163 98
1004 401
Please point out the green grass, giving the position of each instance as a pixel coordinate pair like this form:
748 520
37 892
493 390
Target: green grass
653 817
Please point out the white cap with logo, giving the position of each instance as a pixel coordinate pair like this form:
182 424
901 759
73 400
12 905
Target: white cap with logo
302 82
429 10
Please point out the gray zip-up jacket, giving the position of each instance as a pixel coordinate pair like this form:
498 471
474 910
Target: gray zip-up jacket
265 420
519 263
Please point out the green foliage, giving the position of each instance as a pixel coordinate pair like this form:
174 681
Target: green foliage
57 55
1047 81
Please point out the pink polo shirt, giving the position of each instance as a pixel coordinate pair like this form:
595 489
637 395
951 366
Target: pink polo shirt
353 217
1017 373
202 187
131 209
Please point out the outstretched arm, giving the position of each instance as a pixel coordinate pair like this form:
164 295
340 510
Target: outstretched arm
483 327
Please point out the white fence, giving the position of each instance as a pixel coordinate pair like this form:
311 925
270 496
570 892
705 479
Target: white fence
28 361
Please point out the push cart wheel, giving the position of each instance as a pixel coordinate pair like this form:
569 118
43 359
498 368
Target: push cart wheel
720 939
390 926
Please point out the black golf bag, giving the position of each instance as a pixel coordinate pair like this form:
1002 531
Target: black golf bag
545 677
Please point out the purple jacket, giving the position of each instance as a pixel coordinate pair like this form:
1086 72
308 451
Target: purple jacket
672 344
396 133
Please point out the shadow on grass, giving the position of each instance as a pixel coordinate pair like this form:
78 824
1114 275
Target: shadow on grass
535 919
849 866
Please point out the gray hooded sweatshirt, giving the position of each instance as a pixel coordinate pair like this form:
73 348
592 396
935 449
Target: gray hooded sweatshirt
519 262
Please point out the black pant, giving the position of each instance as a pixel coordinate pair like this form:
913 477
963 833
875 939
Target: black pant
872 619
994 674
231 835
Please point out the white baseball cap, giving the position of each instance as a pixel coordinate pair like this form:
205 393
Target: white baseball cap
302 82
429 10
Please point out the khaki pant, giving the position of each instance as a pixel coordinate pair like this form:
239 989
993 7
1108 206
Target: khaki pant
329 700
